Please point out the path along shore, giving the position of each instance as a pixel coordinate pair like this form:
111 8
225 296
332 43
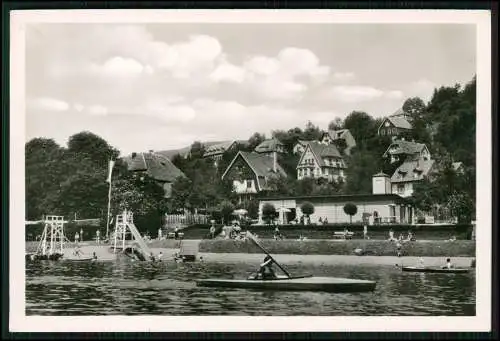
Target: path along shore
103 253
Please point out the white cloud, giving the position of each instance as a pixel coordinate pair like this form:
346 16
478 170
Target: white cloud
120 67
394 94
353 93
262 65
49 104
229 73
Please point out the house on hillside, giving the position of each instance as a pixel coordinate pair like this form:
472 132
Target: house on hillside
157 166
396 124
333 136
408 173
216 151
251 172
400 150
270 146
321 161
300 146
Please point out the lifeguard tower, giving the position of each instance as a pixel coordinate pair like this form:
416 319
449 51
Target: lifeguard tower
51 244
125 227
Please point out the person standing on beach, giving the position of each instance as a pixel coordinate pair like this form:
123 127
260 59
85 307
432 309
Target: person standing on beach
77 237
98 237
81 234
365 232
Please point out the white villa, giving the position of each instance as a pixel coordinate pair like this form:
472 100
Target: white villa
320 161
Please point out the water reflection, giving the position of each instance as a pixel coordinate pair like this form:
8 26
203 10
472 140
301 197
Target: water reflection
101 288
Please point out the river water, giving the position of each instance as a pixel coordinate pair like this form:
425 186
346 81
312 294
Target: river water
168 288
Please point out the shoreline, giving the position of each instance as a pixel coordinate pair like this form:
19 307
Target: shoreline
103 254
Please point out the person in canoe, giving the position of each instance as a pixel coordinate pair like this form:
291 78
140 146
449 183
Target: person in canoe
448 264
266 270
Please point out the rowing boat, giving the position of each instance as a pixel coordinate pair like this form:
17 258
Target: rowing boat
434 269
289 282
299 283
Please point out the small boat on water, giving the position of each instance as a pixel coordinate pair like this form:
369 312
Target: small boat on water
434 269
291 283
299 283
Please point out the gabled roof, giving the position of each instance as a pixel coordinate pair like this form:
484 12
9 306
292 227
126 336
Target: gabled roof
406 172
405 147
261 165
398 122
337 134
320 151
155 165
218 148
267 146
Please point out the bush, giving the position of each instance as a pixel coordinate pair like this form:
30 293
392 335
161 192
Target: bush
350 209
307 208
269 213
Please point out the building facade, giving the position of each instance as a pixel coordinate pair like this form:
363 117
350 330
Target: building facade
401 150
157 166
321 161
396 124
250 173
408 174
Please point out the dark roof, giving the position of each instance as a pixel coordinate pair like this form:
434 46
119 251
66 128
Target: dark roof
404 147
184 152
155 165
267 146
218 148
341 198
172 152
324 150
413 170
399 122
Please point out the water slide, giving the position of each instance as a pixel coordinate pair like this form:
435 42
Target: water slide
138 238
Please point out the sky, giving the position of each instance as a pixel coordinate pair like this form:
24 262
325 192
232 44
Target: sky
163 86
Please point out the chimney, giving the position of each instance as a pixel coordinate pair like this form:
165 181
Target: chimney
275 162
151 151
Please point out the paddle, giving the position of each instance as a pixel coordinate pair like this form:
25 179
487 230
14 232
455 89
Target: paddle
249 235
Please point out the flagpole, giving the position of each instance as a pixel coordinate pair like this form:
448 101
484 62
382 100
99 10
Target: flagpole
109 208
110 173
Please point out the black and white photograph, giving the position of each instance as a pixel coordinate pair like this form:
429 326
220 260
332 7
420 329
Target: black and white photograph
250 170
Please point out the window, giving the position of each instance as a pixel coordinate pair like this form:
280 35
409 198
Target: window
326 171
249 183
401 188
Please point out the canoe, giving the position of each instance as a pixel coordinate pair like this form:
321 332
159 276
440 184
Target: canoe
81 259
434 269
301 283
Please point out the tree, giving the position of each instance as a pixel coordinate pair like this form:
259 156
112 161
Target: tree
362 127
255 140
92 146
269 213
351 210
336 124
197 150
181 191
226 211
307 208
